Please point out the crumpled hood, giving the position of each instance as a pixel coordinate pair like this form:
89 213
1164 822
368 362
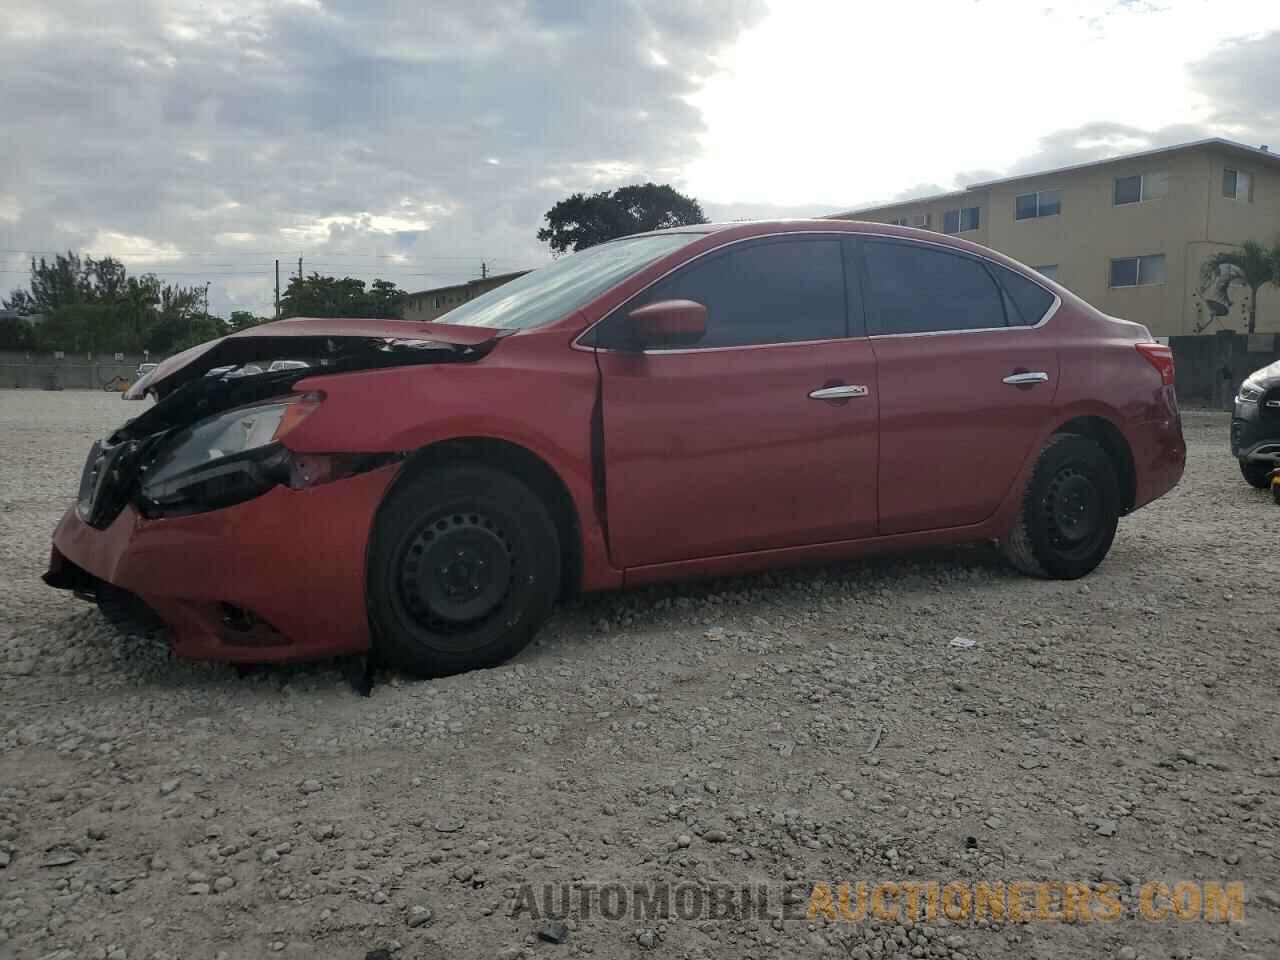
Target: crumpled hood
342 343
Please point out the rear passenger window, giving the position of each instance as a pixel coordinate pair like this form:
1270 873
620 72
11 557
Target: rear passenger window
777 291
1028 301
913 288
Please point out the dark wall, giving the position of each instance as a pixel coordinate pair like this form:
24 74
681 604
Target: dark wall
75 371
1200 362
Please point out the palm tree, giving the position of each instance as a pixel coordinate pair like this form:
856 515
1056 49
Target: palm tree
1251 264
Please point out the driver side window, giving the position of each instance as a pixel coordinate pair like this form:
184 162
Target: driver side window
775 291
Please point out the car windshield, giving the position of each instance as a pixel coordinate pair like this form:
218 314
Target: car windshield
554 291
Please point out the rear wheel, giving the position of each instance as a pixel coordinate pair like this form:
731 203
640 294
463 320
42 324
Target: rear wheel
1069 512
1256 474
464 568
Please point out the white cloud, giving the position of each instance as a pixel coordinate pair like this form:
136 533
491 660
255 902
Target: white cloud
359 131
205 138
828 102
131 248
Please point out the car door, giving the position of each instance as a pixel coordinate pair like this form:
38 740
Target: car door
761 435
967 375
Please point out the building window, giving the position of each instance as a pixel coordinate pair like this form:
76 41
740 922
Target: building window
958 221
1237 185
921 220
1044 203
899 222
1049 270
1142 186
1137 271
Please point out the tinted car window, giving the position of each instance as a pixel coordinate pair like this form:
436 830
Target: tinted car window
778 291
912 288
1029 301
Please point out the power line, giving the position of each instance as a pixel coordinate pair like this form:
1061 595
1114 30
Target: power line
331 254
181 273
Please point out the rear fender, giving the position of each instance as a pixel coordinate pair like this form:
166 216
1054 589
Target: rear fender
1007 513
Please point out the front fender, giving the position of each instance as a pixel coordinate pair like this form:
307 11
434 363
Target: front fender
537 395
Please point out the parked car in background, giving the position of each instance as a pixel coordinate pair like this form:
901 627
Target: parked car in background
700 401
1255 426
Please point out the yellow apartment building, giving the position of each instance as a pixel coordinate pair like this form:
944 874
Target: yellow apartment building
1128 234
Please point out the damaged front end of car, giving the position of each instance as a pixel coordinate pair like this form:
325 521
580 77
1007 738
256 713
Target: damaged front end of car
187 508
215 436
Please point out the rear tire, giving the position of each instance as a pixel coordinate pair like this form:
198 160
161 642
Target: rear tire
1256 474
1069 512
463 569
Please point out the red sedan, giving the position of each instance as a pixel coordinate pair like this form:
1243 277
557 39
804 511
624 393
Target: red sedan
693 402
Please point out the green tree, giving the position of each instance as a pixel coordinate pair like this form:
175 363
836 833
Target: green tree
317 296
93 305
53 285
199 329
243 320
16 334
582 221
1251 264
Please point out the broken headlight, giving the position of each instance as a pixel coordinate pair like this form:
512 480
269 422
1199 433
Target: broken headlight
227 459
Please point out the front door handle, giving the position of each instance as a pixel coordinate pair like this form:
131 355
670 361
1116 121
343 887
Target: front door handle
842 392
1023 379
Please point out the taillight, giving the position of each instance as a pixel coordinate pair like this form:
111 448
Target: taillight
1160 357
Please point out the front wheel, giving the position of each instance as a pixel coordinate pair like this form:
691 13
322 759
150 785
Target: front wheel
1256 474
464 568
1069 512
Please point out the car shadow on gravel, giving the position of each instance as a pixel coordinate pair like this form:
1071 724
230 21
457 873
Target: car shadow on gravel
964 561
144 658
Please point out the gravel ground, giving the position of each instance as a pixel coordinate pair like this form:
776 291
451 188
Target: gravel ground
780 729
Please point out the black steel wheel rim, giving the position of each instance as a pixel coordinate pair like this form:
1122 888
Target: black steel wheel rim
1074 509
456 571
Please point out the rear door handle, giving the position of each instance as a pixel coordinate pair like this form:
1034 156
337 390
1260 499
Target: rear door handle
843 392
1022 379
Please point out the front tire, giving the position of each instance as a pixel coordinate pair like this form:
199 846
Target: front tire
1256 474
1068 516
464 568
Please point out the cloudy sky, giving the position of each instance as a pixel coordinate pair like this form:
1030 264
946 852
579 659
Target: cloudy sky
414 139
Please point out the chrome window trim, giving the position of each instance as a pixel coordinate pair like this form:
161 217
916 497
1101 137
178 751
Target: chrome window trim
1057 302
664 351
1048 315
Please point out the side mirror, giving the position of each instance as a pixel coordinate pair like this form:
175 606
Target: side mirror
667 323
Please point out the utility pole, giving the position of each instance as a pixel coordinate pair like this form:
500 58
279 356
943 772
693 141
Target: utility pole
277 288
299 268
484 270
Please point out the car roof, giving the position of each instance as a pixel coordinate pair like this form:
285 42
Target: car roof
750 228
718 233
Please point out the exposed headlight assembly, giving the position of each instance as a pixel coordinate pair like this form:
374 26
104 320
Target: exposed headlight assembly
1250 392
229 458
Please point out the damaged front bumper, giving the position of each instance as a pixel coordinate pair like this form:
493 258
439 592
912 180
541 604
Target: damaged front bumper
279 577
198 510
